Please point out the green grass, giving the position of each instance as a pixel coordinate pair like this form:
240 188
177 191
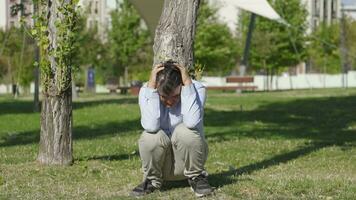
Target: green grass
278 145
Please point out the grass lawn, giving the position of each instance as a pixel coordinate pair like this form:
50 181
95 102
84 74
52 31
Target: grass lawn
278 145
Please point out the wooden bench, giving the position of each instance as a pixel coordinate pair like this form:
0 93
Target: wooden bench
123 89
112 84
244 84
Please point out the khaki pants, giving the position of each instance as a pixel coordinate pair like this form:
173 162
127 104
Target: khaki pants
181 157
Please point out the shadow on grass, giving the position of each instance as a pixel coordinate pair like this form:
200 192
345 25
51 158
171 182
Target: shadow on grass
25 107
321 119
80 132
113 157
93 103
325 121
226 177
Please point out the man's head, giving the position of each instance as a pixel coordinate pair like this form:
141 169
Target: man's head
169 83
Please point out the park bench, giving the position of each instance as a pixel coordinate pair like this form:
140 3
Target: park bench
244 84
112 85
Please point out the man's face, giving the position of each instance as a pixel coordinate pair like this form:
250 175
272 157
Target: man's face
171 99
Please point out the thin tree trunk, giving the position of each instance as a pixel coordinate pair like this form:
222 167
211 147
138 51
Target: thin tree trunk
56 114
36 95
266 75
175 32
75 94
270 80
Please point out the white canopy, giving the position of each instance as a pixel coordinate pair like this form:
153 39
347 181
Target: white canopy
259 7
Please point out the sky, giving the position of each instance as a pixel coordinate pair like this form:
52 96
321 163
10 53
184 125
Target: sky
111 3
349 2
229 13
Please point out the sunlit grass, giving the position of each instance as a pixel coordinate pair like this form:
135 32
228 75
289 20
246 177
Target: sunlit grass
278 145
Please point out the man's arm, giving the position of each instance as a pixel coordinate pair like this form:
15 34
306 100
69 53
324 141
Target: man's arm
149 102
150 109
192 100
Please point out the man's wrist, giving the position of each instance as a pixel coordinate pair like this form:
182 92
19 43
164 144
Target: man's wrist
151 84
188 81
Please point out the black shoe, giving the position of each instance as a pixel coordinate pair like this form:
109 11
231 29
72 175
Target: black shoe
144 188
200 185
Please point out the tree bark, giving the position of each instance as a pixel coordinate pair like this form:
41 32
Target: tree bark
174 39
56 115
56 130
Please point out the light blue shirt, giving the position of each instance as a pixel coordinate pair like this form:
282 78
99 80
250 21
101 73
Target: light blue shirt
189 110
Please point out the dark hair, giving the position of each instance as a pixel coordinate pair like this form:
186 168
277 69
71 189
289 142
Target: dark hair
169 78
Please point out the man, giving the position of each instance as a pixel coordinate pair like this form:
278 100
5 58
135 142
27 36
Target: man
172 146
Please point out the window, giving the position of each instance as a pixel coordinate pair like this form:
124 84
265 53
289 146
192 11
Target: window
89 6
315 23
316 8
96 7
325 7
334 9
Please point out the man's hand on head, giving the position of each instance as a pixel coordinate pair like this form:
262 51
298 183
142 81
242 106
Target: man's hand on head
185 75
153 76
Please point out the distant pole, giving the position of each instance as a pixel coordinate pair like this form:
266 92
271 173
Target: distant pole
244 62
343 49
36 100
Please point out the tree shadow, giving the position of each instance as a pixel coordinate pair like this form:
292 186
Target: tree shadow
26 107
226 177
324 121
16 107
113 157
79 132
94 103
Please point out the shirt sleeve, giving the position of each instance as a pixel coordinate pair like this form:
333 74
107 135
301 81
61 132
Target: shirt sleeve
193 100
150 109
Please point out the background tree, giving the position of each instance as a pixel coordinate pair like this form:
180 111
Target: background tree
126 37
215 47
324 49
351 42
140 67
274 46
3 59
17 57
54 29
90 50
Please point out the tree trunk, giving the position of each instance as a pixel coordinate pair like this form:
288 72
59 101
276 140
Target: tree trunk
175 32
56 130
56 114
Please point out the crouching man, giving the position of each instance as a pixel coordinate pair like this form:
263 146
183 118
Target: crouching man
172 145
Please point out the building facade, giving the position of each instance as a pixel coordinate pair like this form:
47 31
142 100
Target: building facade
11 12
322 11
98 15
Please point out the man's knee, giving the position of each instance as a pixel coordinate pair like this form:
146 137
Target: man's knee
151 141
185 136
